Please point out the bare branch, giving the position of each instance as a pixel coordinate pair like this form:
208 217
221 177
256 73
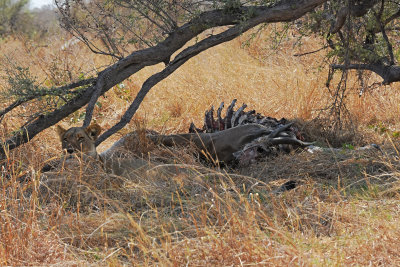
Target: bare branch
384 35
311 52
359 9
387 21
389 74
71 27
165 17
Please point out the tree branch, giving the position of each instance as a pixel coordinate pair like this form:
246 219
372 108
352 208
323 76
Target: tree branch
179 60
384 35
389 74
357 10
286 11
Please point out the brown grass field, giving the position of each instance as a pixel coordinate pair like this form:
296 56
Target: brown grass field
345 211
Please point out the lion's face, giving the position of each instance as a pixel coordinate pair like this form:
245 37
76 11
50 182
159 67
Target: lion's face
79 139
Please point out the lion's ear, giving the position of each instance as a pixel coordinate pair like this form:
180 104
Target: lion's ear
60 131
93 130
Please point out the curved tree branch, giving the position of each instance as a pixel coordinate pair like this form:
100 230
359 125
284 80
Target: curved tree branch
284 11
179 60
389 74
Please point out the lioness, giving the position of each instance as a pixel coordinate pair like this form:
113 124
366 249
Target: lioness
82 140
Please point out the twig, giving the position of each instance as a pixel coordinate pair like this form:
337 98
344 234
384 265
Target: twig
311 52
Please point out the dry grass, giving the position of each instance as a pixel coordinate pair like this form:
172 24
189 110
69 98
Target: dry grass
344 211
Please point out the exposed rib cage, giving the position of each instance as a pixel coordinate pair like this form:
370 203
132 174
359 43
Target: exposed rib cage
239 117
234 118
283 136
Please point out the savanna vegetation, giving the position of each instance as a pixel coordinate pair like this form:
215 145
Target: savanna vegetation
183 211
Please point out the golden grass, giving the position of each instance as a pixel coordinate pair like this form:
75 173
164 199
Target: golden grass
344 212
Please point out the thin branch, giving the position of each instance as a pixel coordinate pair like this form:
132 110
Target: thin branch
166 18
358 10
53 92
385 37
12 106
387 21
139 10
132 32
380 13
71 28
311 52
392 17
112 50
369 67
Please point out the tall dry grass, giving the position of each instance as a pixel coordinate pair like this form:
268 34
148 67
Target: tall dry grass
344 212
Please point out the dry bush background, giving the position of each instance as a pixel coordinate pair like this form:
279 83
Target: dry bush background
344 212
